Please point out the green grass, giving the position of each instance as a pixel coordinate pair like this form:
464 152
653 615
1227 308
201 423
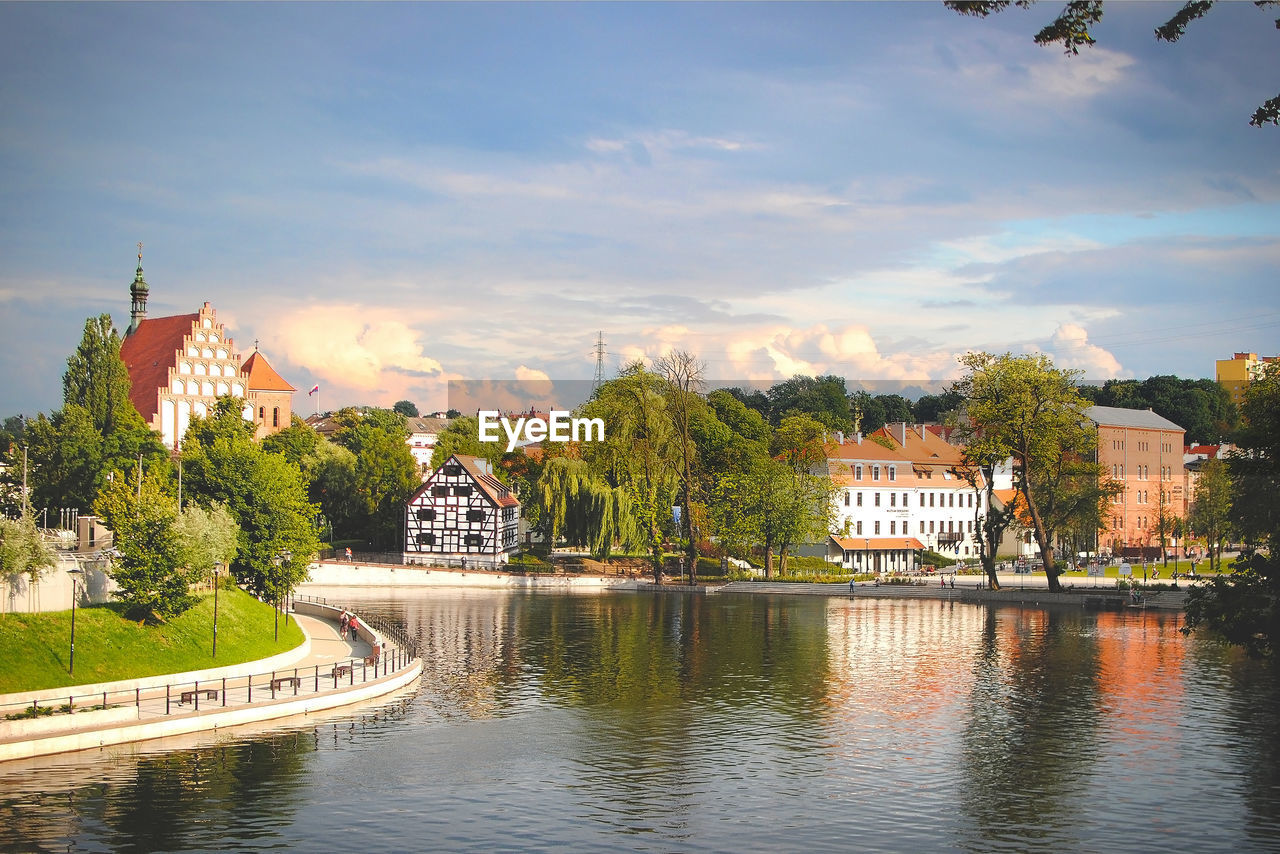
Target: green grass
109 647
1182 566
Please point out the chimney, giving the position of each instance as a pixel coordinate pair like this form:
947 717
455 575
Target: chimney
903 432
839 437
857 437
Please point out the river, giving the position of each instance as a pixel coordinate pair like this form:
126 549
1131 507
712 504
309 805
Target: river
673 722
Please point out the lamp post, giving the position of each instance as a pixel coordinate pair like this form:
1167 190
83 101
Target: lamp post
866 554
217 577
75 574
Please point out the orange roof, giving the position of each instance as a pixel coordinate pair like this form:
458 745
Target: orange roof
263 377
857 544
497 491
149 353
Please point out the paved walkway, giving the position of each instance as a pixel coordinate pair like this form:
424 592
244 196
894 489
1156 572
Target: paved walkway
335 663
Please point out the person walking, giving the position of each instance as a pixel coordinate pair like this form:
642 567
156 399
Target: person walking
353 624
342 624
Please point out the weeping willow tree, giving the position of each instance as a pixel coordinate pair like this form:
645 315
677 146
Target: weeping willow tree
585 510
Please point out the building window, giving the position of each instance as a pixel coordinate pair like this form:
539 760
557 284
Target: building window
857 472
859 502
440 490
922 499
476 540
275 416
846 499
930 526
859 527
877 501
893 527
922 526
262 414
930 499
463 491
452 470
475 515
877 526
426 514
426 539
875 472
893 473
893 499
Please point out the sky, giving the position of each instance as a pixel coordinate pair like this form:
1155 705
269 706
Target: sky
389 197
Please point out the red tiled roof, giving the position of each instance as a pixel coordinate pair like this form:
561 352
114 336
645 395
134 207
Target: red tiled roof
149 353
857 544
263 377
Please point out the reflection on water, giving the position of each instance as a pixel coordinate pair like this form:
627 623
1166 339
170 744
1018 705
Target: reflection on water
672 722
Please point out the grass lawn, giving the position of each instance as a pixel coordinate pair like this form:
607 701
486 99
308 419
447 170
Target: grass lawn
109 647
1180 566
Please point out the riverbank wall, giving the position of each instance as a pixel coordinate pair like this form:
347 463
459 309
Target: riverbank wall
1091 598
343 574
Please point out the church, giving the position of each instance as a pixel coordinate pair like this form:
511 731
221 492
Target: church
180 365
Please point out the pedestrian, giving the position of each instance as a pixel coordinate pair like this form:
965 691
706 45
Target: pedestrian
348 554
342 624
953 582
354 626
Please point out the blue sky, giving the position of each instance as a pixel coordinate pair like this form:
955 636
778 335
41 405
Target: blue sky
391 196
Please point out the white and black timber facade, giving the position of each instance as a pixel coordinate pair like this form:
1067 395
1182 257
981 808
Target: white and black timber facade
462 510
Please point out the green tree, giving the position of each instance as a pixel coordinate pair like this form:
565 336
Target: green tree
683 375
462 436
208 537
868 413
1022 407
1210 516
330 472
991 518
934 408
23 552
262 491
825 399
97 379
295 442
1245 607
407 408
65 457
640 453
386 473
1071 30
772 506
150 569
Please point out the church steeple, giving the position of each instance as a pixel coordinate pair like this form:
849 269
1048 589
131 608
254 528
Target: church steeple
138 290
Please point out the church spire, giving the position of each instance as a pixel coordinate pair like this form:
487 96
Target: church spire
138 290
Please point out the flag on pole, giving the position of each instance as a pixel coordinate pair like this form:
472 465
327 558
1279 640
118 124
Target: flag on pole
315 388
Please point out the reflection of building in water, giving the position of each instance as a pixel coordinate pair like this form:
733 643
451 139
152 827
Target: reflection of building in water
466 644
908 660
1141 665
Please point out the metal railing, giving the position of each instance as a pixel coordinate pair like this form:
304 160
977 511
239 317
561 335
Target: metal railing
245 689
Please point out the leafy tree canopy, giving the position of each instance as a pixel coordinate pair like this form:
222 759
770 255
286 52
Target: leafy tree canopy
407 408
1071 30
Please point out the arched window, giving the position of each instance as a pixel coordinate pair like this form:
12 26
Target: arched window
275 416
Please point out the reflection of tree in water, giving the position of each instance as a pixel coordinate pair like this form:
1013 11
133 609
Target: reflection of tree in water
1028 743
189 799
1252 718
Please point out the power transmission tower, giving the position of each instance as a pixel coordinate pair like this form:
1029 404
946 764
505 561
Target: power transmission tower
598 380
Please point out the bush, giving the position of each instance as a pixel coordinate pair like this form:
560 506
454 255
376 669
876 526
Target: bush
934 559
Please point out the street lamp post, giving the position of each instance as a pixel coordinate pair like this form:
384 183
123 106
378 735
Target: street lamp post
74 573
866 554
217 577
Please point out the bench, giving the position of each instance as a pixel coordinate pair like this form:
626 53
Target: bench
371 660
189 696
341 670
282 681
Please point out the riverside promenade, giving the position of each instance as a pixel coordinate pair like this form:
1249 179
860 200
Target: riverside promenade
327 671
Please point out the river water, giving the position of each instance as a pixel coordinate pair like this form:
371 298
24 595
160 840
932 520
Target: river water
667 722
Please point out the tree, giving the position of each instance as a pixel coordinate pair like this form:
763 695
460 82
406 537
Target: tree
868 413
640 453
979 472
23 552
772 505
1022 407
386 473
150 569
933 408
824 398
208 537
97 379
407 408
295 442
1211 509
683 374
462 436
262 491
1245 608
1071 30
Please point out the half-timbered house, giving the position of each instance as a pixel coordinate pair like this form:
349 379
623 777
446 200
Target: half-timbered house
461 511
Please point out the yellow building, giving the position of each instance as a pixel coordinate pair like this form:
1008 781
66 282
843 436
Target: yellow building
1236 373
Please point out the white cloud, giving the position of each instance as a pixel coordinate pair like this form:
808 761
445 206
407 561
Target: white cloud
1070 348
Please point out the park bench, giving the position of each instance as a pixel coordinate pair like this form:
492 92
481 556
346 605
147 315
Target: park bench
282 681
371 660
189 696
341 670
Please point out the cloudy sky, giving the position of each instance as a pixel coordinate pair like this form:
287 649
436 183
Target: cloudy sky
390 196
